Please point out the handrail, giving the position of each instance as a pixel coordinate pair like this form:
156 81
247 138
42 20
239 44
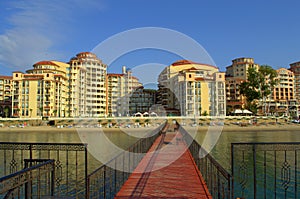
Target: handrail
69 174
105 181
266 169
118 155
219 181
18 179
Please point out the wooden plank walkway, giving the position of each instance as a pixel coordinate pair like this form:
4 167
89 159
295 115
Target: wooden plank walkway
167 171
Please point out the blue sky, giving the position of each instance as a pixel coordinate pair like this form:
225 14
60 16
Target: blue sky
31 31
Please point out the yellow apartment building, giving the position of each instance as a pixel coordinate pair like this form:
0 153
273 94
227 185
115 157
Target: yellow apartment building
41 91
193 89
120 87
115 91
87 94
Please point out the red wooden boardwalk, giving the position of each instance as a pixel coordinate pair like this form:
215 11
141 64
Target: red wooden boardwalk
170 173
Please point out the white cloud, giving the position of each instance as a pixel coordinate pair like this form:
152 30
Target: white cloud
37 27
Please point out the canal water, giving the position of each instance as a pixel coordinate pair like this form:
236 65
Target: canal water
277 170
221 151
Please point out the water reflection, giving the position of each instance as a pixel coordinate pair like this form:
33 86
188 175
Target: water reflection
53 135
222 150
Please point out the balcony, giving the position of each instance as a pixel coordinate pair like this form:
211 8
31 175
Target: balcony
15 115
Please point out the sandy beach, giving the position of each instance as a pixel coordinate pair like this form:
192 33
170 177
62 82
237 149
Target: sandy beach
255 128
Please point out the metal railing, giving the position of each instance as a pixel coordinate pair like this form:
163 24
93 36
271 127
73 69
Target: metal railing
33 182
266 170
70 163
218 180
107 180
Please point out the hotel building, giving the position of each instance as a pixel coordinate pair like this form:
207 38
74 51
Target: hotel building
41 92
5 96
236 73
141 101
120 87
234 99
87 84
295 68
192 88
283 96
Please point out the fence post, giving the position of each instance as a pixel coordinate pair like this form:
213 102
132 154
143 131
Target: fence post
104 183
87 186
52 178
232 170
254 169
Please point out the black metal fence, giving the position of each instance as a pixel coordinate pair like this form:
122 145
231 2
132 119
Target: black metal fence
32 182
218 180
266 170
106 181
70 163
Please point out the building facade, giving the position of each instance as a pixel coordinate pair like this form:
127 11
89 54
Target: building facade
115 91
282 99
236 73
41 91
295 68
120 88
87 83
234 99
5 96
193 89
141 101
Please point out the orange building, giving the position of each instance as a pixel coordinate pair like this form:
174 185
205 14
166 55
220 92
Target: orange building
5 96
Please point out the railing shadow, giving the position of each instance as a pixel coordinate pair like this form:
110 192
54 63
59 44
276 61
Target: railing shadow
218 180
107 180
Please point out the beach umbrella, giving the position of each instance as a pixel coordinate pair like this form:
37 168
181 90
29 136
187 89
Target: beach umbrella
153 114
247 111
138 114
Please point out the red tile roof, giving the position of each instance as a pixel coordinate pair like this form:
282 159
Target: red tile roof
5 77
45 63
185 62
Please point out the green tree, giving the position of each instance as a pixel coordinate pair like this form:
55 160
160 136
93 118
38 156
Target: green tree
205 113
55 112
6 111
259 85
